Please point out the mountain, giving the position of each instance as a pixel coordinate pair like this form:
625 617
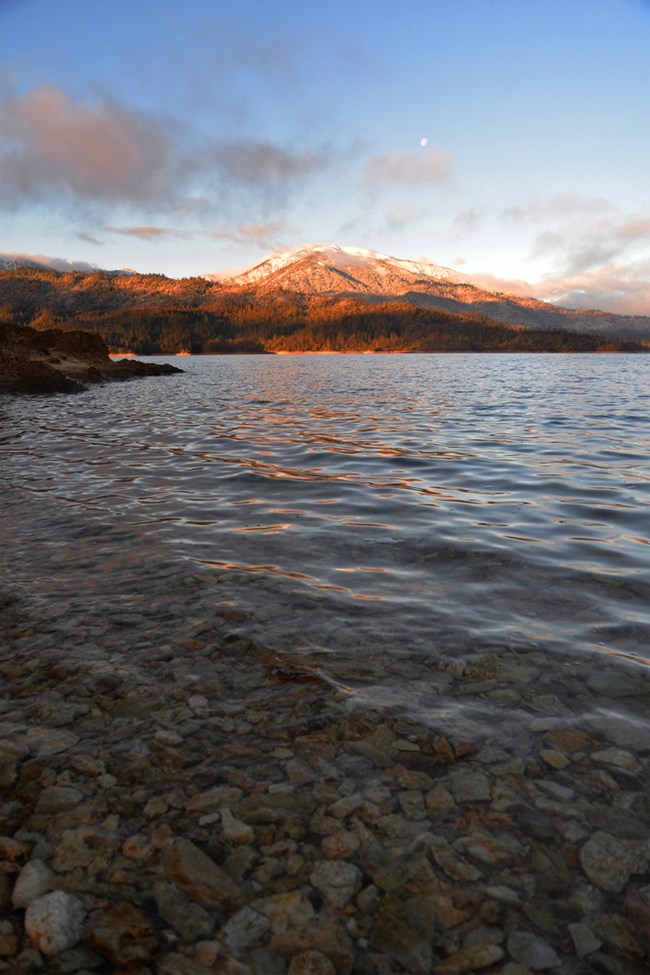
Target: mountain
328 270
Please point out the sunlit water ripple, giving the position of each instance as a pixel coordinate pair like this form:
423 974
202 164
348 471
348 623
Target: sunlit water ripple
367 507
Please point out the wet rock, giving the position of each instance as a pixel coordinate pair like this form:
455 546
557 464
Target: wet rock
11 755
617 760
34 880
58 799
191 921
50 741
285 911
123 936
311 963
471 959
198 876
532 951
55 922
405 931
340 845
439 801
214 799
584 939
176 964
234 830
245 928
468 785
637 908
610 862
327 935
337 880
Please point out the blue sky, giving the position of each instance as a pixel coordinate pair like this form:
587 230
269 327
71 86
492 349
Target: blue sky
197 136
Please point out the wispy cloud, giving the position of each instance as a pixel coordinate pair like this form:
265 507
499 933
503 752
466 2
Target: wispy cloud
51 145
264 164
270 235
616 287
408 168
55 263
565 205
57 150
580 247
89 239
151 233
401 215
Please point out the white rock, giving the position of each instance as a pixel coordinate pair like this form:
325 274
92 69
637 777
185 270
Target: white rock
34 880
55 922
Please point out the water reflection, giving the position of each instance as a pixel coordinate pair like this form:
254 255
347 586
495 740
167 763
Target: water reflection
415 501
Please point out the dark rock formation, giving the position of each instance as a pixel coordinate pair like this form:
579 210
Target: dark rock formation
55 361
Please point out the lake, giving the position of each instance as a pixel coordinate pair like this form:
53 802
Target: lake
377 520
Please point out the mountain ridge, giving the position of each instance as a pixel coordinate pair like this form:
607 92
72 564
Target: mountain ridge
326 272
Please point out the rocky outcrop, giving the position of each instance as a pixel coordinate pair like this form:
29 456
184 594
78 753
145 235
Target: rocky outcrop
55 361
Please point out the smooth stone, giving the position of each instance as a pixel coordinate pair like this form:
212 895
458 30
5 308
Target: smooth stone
470 959
610 862
58 799
470 786
11 755
404 930
245 928
311 963
584 939
532 951
55 922
337 880
34 880
618 759
234 830
190 921
198 876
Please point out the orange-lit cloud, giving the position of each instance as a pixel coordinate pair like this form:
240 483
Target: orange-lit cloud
413 169
50 145
55 149
151 233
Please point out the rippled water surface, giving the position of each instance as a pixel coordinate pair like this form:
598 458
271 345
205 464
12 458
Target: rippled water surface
361 509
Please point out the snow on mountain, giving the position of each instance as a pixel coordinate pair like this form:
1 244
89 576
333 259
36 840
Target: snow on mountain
327 268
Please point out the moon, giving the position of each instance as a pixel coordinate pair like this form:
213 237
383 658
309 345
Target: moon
424 142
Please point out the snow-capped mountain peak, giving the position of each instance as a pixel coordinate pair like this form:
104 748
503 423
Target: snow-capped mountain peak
324 268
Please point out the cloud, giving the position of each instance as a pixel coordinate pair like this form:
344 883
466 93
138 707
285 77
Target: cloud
57 150
55 263
467 219
620 288
560 204
401 214
267 235
88 239
264 164
51 145
413 169
577 248
151 233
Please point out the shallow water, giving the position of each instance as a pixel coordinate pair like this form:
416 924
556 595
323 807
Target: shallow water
372 515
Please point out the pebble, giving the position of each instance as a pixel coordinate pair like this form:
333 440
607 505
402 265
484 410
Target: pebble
55 922
205 806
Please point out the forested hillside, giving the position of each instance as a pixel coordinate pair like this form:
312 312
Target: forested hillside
149 314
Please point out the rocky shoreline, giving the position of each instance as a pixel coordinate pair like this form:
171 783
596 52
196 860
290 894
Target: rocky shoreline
179 800
57 361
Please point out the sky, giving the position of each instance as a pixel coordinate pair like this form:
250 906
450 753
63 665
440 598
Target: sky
507 139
